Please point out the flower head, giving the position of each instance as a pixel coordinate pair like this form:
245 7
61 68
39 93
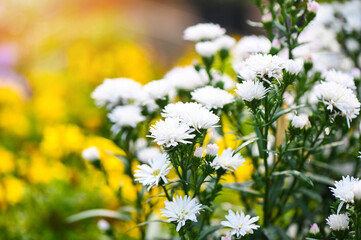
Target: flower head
114 91
198 152
300 121
170 132
193 114
293 66
334 95
314 229
228 161
343 189
313 6
356 189
203 31
225 42
91 154
125 116
186 78
150 175
157 89
341 78
338 222
146 154
242 224
251 89
212 149
249 45
180 210
212 97
206 49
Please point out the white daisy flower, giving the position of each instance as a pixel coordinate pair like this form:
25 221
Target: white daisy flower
242 224
186 78
293 66
338 222
158 89
300 121
260 65
206 49
225 42
343 189
334 95
125 116
212 149
228 161
198 153
150 175
212 97
146 154
341 78
249 45
193 114
170 132
114 91
180 210
251 89
203 31
91 154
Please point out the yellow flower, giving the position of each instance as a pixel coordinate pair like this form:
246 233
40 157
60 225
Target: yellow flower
11 190
7 161
42 171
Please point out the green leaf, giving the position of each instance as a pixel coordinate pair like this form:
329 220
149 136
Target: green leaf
97 213
296 174
321 179
311 194
145 223
207 231
243 187
271 233
282 112
280 27
244 144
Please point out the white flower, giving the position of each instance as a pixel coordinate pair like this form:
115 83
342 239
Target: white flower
249 45
180 210
337 96
170 132
249 90
338 222
313 6
198 152
342 189
294 66
212 97
212 149
301 121
157 89
91 154
103 225
356 190
125 116
114 91
225 42
146 154
341 78
186 78
242 224
228 161
203 31
352 45
193 114
314 229
150 175
260 65
206 49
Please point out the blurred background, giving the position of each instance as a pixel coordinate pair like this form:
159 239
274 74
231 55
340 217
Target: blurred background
53 53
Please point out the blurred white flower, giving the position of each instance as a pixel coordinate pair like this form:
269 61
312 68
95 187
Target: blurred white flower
186 78
180 210
242 224
146 154
91 154
342 189
352 45
334 95
114 91
125 116
206 49
203 31
228 160
338 222
150 175
251 89
212 149
170 132
294 66
301 121
260 65
103 225
212 97
158 89
313 6
356 190
249 45
193 114
225 42
198 152
314 229
341 78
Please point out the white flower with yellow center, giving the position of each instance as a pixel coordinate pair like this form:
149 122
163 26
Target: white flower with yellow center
242 224
180 210
157 170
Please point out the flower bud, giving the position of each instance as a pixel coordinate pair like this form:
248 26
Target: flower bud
301 121
314 229
267 17
91 154
313 6
198 152
103 225
212 149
